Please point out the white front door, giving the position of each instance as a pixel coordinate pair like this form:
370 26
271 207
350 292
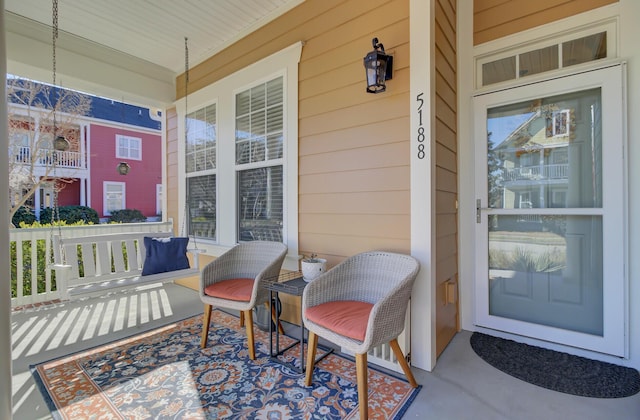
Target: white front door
550 183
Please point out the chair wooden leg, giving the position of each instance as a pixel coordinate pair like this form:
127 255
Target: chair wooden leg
312 346
250 340
205 325
274 319
363 388
403 362
241 319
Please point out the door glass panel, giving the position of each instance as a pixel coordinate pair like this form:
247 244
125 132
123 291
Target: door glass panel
546 153
547 270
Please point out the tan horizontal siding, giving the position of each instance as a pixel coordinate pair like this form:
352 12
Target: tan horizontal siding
374 133
446 158
493 19
356 202
369 180
380 107
172 165
353 146
447 225
446 171
379 156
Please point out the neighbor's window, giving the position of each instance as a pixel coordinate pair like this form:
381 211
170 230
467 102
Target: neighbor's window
259 164
128 147
114 197
200 164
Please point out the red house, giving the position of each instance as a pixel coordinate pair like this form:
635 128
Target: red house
112 137
141 187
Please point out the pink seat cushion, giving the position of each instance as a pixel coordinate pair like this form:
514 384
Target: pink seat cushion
345 317
232 289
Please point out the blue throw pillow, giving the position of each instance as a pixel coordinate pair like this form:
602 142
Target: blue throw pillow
165 254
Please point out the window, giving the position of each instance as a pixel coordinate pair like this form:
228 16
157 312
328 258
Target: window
557 52
21 131
201 206
200 151
128 147
114 197
200 167
240 156
560 123
259 140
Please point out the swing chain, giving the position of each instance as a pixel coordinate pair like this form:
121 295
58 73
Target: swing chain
55 213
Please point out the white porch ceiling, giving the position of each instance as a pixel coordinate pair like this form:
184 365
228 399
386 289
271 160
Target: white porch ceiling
127 49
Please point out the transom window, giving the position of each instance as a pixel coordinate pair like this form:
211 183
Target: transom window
557 52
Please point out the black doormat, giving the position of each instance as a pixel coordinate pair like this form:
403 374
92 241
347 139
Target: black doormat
557 371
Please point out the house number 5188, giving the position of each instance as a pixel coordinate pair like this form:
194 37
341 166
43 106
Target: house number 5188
421 137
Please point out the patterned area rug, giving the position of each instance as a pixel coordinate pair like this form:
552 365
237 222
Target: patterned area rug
165 374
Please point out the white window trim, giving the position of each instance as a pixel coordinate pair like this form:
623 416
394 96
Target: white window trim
123 136
282 63
123 186
159 199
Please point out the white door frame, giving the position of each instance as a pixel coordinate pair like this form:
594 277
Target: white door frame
614 340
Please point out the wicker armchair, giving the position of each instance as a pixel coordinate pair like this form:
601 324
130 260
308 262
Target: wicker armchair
360 304
234 281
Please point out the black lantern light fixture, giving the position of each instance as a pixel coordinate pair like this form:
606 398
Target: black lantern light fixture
61 144
123 168
378 66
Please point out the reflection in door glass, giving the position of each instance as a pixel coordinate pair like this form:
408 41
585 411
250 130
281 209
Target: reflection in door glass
546 153
547 269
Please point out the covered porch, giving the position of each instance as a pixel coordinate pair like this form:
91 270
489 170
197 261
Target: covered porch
358 175
462 386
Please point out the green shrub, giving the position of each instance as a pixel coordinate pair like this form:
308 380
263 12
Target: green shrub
71 214
127 216
23 215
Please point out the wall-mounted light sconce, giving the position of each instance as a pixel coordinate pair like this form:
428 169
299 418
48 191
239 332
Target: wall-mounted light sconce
379 67
60 144
123 168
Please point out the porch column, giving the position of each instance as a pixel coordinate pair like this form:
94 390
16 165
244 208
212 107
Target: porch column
83 191
37 204
422 149
5 294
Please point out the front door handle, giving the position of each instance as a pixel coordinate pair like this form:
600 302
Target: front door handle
479 208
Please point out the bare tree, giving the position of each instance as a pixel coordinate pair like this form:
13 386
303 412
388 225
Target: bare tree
34 110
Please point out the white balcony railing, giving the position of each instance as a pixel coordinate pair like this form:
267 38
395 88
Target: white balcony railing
555 171
31 277
47 157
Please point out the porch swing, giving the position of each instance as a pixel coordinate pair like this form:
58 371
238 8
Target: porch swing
98 263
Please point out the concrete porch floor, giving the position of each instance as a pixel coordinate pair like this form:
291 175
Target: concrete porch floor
462 386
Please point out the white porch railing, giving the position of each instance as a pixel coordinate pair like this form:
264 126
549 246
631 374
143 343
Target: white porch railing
31 279
553 171
46 157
